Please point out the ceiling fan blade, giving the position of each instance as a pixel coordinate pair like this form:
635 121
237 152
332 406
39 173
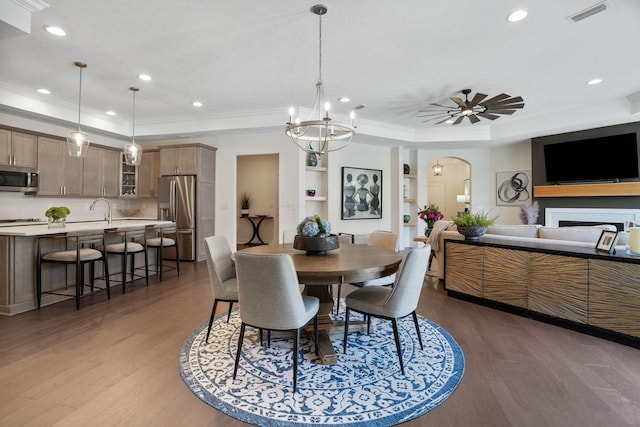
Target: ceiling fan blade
501 111
495 99
458 120
473 118
459 101
487 115
434 114
505 103
477 98
437 117
444 120
443 106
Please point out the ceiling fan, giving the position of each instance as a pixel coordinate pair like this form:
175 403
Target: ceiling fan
477 107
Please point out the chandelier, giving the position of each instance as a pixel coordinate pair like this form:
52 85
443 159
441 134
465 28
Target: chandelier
77 140
319 134
132 151
437 169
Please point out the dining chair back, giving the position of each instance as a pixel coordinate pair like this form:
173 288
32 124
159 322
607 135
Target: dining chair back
381 239
270 299
393 303
222 275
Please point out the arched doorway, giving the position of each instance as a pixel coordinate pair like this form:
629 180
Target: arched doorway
451 189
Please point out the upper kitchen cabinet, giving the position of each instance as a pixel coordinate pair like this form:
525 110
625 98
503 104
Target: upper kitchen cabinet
18 149
192 159
60 174
179 160
148 173
100 172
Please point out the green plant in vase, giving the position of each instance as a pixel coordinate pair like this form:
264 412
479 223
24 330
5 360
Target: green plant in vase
57 215
473 225
245 203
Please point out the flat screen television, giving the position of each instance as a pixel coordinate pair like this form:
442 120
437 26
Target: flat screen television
608 158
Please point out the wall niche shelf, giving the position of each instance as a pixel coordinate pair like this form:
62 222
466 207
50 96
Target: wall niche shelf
588 190
316 169
410 200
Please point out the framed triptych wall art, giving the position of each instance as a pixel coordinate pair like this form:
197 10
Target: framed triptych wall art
361 193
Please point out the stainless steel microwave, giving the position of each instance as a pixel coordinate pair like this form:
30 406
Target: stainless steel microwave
15 178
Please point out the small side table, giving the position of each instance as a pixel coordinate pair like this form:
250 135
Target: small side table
256 222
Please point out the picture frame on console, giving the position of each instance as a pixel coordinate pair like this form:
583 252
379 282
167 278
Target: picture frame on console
361 193
607 241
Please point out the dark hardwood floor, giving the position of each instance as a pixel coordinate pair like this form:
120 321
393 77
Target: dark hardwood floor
116 363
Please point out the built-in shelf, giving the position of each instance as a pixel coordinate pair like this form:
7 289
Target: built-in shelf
316 199
409 200
588 190
410 176
316 169
409 224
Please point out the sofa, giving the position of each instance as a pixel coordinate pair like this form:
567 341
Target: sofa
577 236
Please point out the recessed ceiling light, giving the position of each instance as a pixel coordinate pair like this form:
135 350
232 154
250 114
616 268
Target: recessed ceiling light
594 82
196 104
110 113
44 91
145 77
56 31
518 15
344 99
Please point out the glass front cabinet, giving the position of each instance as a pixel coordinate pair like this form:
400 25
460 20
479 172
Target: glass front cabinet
128 179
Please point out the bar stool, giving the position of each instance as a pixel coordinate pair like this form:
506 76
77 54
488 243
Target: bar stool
133 241
79 249
160 243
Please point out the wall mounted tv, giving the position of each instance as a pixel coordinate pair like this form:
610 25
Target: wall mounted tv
608 158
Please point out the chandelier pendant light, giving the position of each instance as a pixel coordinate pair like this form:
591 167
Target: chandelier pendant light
132 151
319 134
437 169
77 140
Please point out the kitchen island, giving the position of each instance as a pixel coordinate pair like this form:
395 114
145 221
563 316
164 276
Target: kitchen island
18 259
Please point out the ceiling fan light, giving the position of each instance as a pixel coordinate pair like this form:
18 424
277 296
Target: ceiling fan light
467 111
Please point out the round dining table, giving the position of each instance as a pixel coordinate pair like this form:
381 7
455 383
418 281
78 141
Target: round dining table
347 264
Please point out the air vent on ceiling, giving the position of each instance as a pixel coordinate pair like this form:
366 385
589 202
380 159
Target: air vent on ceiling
590 11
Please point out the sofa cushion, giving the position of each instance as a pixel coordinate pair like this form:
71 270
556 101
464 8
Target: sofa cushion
520 230
589 234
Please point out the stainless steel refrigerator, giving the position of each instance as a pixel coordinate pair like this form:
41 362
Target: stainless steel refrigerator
177 203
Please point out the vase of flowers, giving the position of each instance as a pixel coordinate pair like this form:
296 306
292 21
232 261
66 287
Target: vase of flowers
430 214
57 216
314 236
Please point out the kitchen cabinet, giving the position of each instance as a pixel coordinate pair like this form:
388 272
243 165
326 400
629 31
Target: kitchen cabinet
128 178
100 172
18 149
148 173
60 174
179 160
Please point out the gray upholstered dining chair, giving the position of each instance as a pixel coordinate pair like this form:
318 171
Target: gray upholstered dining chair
270 299
222 275
392 303
382 239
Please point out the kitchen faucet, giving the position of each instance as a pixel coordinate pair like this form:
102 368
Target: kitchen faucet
93 205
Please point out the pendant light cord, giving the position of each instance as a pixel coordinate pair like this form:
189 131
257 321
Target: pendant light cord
79 97
320 50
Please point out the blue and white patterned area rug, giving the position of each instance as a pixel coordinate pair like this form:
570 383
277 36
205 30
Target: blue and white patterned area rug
365 387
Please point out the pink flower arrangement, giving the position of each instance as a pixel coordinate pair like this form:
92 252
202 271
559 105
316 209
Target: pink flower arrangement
430 214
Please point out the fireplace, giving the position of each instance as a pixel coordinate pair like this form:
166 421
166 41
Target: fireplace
621 218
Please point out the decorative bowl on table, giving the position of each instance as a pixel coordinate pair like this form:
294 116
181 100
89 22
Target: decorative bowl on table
316 245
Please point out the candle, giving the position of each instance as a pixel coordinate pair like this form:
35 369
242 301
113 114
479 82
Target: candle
634 240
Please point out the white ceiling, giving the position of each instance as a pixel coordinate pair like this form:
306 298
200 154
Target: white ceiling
248 61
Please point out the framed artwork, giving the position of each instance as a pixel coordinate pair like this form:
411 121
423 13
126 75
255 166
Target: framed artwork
513 188
607 241
361 193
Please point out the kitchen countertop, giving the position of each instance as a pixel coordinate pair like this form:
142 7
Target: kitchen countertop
42 229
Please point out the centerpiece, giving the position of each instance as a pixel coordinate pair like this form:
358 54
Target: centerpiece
314 236
473 225
57 216
430 214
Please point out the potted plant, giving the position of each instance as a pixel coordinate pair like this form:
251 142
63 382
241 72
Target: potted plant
57 216
473 225
245 202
